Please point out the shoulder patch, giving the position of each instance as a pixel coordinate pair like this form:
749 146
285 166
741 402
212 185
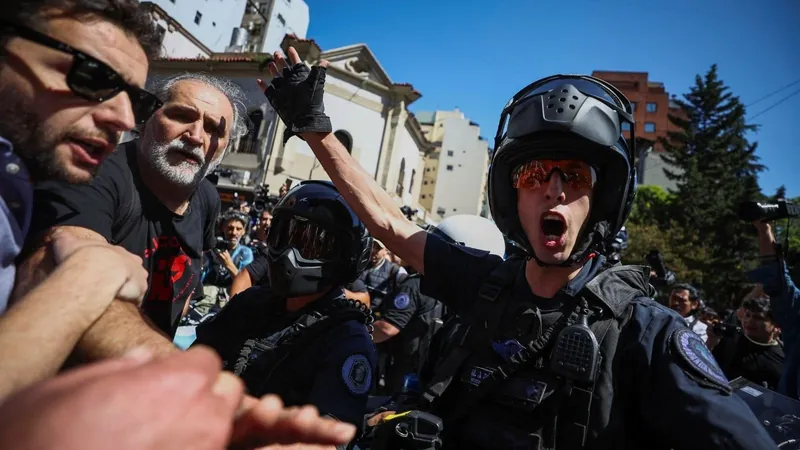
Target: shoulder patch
357 374
697 359
401 301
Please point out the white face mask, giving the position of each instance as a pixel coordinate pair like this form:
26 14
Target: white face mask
185 172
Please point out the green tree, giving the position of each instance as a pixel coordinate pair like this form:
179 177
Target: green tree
717 169
652 206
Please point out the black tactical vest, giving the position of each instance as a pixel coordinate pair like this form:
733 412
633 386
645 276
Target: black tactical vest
260 358
520 410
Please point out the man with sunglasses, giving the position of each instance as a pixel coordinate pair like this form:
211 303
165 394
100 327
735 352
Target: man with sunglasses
561 349
71 77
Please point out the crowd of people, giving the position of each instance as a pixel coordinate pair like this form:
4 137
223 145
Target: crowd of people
327 318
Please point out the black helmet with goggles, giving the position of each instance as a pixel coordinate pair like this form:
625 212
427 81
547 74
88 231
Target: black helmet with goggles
315 242
550 122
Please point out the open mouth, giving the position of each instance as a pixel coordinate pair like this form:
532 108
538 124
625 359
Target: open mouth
554 229
92 152
191 157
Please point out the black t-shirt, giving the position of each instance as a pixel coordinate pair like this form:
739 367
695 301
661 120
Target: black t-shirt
170 245
741 357
259 272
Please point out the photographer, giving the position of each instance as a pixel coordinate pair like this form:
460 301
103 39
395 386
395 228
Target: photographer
785 304
223 263
752 351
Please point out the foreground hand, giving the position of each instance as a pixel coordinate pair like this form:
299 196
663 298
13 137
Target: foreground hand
113 263
132 403
296 94
268 423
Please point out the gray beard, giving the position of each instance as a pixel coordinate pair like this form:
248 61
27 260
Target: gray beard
184 174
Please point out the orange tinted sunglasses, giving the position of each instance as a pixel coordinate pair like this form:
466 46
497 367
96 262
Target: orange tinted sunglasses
575 173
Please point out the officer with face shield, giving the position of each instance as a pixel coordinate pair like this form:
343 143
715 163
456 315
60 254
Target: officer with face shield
299 336
558 350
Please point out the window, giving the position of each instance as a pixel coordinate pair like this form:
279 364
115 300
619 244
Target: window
449 167
449 153
281 20
626 126
633 106
649 127
173 1
411 183
160 33
440 211
197 17
652 107
425 183
401 177
346 140
213 24
422 196
455 209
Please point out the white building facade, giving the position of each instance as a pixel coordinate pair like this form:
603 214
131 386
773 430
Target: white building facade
211 22
455 173
266 22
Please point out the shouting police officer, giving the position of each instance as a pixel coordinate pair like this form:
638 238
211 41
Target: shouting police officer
561 350
298 336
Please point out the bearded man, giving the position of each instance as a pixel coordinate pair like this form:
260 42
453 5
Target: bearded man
151 197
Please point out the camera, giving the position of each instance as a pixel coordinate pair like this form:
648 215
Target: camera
664 276
221 245
726 330
262 198
752 211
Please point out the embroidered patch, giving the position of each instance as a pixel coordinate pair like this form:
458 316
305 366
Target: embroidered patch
357 374
694 352
401 301
476 375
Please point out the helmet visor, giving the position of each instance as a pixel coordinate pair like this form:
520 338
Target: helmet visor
311 240
554 90
565 94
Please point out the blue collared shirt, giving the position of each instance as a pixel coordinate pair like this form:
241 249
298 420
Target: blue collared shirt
16 202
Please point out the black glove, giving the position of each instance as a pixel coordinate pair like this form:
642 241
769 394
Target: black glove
297 98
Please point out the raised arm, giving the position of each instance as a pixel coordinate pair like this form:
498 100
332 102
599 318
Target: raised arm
296 94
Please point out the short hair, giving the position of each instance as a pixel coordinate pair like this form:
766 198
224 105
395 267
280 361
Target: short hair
235 215
267 209
129 15
693 294
759 305
235 95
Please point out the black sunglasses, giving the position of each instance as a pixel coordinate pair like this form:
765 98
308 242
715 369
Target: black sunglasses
90 78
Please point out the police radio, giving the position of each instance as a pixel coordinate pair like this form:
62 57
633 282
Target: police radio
576 354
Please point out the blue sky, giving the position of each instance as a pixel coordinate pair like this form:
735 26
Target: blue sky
474 55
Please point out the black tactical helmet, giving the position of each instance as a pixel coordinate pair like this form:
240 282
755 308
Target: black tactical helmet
567 117
315 241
